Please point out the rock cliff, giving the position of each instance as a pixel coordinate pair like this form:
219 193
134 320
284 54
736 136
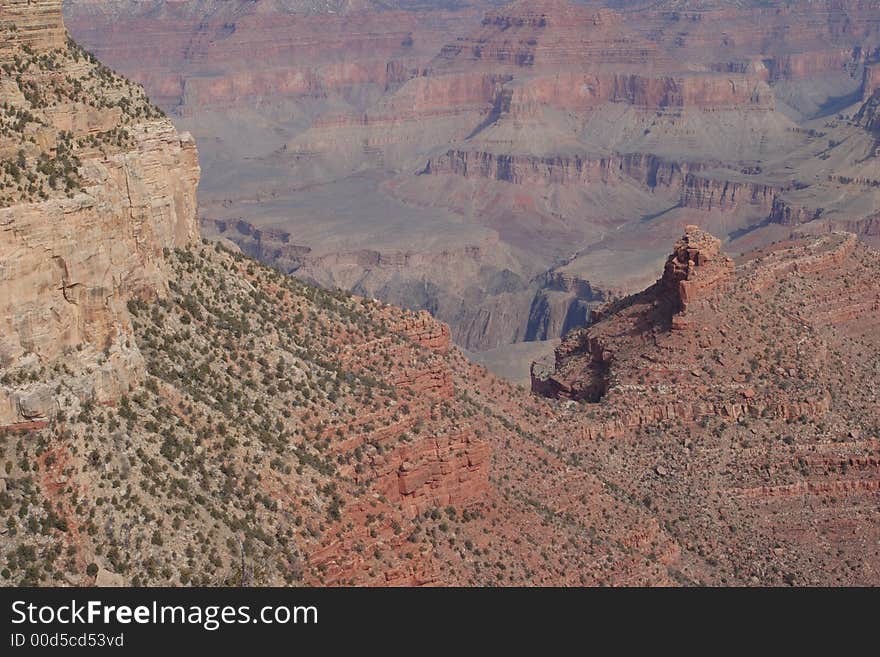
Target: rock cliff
36 24
97 186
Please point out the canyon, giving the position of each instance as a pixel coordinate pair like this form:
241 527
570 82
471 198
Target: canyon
175 412
466 160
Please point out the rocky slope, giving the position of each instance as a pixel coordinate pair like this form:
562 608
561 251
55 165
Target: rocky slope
747 395
95 185
285 434
255 430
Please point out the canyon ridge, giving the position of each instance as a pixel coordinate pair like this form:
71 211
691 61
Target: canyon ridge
175 412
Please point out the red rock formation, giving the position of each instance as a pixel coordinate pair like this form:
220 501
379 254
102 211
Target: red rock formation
696 271
797 34
578 91
434 472
424 330
613 360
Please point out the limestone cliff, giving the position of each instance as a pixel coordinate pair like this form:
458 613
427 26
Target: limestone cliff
95 184
37 24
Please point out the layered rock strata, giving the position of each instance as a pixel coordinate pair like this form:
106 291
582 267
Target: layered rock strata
109 196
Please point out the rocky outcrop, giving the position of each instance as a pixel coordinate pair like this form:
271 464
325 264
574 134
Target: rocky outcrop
696 271
612 361
786 214
72 262
523 169
434 472
36 24
593 382
427 332
70 267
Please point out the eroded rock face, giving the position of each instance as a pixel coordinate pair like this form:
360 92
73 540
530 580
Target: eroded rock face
71 260
435 472
868 115
427 332
70 266
696 270
37 24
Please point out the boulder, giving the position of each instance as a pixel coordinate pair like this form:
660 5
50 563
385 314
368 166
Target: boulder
107 579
